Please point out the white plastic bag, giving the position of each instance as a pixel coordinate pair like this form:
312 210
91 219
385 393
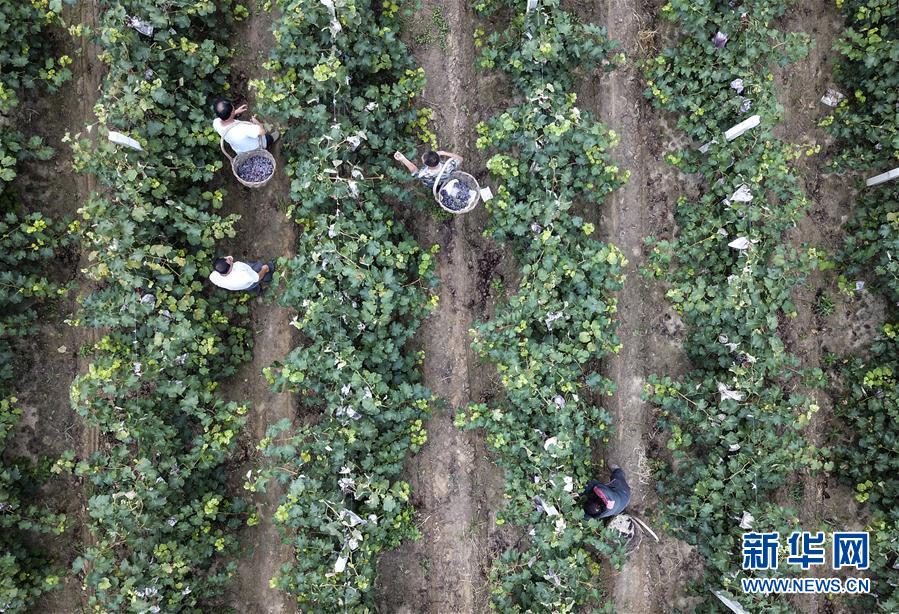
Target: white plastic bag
120 139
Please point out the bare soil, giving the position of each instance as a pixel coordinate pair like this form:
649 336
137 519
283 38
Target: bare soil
50 426
456 489
264 233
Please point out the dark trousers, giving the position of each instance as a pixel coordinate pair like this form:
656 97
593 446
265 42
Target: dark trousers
267 278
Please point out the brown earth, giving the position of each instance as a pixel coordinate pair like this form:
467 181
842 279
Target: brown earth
456 489
264 233
50 426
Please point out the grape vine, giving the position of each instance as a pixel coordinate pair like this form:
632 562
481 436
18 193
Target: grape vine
550 157
360 287
734 423
161 527
866 124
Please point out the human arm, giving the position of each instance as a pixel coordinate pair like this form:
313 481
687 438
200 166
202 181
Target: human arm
405 162
589 487
259 124
618 478
608 501
263 271
450 155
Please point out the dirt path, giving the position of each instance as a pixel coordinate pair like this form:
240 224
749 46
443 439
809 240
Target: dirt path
650 332
91 76
625 222
50 425
263 233
456 489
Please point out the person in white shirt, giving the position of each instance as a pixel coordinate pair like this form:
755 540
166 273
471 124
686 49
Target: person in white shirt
241 135
239 276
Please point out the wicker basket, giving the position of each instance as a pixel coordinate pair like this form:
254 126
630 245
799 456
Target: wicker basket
240 158
461 177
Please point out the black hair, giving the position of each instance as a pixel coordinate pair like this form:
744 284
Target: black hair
221 266
592 508
223 108
431 158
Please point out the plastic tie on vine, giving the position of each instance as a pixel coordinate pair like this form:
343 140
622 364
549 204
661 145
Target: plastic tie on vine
560 525
356 140
121 139
746 521
144 27
552 316
724 340
832 97
350 518
742 127
735 131
532 4
553 577
340 563
730 394
547 508
732 605
353 542
742 195
347 485
883 177
740 244
335 26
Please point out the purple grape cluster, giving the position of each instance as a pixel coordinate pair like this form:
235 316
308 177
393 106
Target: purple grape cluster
458 199
255 169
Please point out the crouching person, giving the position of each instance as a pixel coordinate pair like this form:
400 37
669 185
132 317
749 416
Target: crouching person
241 135
238 276
609 499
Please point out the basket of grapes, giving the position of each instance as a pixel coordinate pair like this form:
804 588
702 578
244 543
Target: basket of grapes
458 192
252 168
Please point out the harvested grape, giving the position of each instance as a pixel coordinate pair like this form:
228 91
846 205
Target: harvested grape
455 195
256 169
